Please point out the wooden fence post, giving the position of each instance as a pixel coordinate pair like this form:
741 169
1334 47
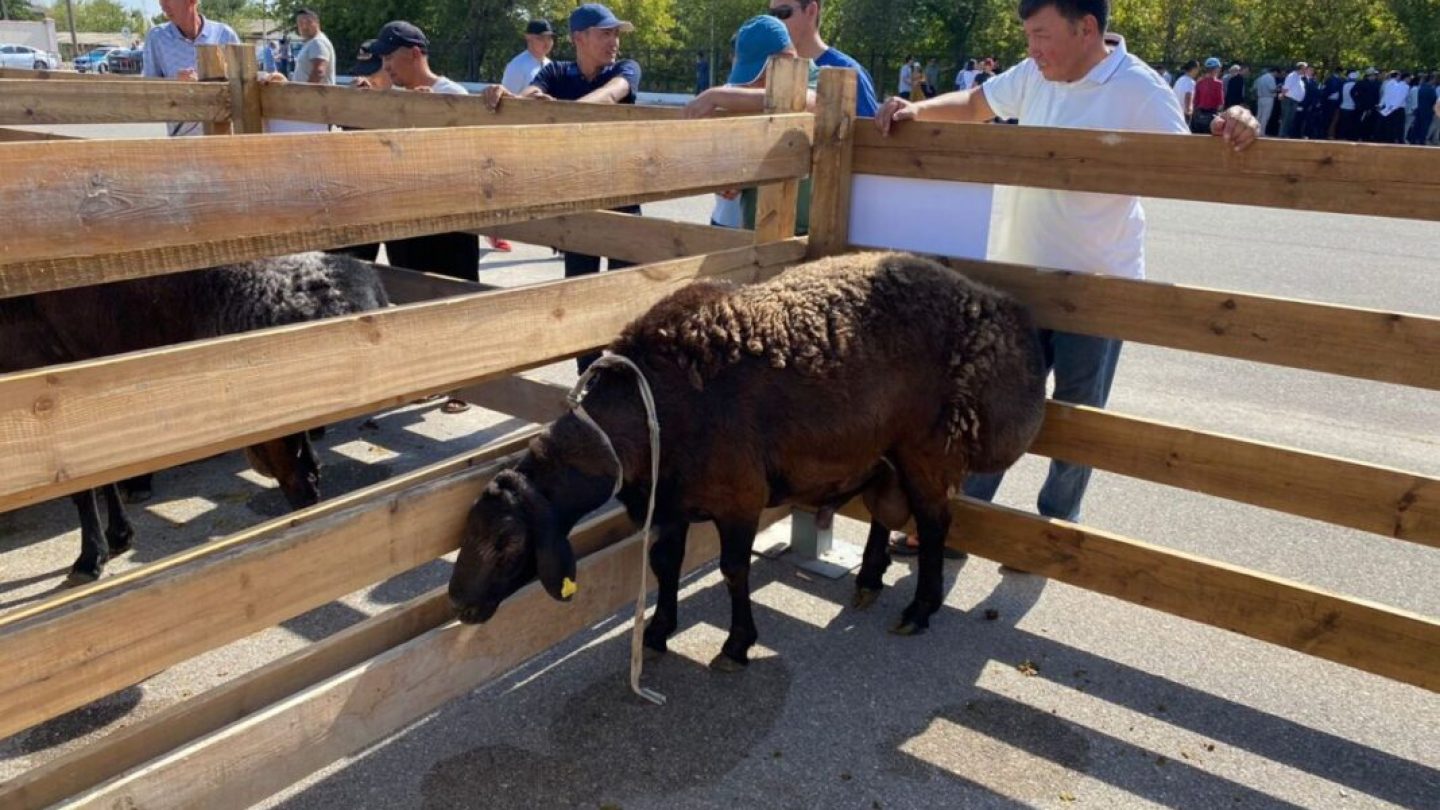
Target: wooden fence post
210 67
785 87
834 158
244 68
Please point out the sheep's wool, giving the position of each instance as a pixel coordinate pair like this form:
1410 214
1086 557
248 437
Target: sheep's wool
818 317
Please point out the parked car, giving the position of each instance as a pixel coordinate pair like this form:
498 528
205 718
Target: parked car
96 61
27 58
126 61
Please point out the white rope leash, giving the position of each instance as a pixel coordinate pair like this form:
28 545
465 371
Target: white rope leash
637 633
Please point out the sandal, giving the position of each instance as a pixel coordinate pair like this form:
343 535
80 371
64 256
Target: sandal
903 545
453 405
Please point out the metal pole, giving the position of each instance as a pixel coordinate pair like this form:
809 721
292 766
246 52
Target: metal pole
4 11
74 40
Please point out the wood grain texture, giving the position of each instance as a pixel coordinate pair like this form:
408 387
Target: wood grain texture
412 286
64 658
243 68
213 709
785 92
398 109
57 101
635 239
66 428
1388 502
270 750
832 166
1338 177
1382 640
1387 347
137 208
211 67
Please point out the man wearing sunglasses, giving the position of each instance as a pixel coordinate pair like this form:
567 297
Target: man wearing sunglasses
802 20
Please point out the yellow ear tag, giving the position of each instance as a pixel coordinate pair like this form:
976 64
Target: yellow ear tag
568 588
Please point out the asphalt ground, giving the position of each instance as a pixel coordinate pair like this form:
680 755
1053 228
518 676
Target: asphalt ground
1116 705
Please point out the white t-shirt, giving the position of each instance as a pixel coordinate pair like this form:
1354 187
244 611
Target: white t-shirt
521 70
965 79
1295 87
1347 101
1071 230
317 47
905 78
449 86
1393 96
1184 86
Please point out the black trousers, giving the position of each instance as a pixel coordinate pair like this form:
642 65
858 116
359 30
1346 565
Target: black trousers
452 254
580 264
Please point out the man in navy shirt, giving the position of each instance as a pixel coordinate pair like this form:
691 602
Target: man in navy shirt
597 76
802 19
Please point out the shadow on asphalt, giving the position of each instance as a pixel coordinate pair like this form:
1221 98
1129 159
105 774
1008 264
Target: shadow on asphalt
590 743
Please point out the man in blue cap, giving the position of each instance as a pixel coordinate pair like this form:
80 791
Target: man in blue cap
802 20
597 76
758 39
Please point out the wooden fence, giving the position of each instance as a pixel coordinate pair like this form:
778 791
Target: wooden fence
132 209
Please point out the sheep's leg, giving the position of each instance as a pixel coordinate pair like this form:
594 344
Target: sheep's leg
667 556
930 583
736 540
93 552
871 579
118 530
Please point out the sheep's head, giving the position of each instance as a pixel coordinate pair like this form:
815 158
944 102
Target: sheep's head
511 535
290 460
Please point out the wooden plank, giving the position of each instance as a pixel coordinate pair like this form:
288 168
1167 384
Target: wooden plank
54 101
68 75
1374 638
213 709
622 236
1369 344
137 208
250 760
412 286
1338 177
785 92
210 67
66 428
532 400
62 659
243 68
8 135
398 109
832 166
1389 502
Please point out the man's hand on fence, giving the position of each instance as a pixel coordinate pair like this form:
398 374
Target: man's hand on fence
1238 126
894 110
188 75
493 94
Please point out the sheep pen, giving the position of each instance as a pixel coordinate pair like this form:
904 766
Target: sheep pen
127 316
881 374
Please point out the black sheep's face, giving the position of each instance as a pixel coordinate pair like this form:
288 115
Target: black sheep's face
510 537
291 461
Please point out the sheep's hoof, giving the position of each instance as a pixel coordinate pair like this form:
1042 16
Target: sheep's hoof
724 663
119 544
78 578
865 598
907 628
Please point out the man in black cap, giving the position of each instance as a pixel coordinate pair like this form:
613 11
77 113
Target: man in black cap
597 76
539 41
369 69
405 51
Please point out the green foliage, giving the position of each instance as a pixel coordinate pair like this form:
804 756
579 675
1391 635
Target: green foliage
103 16
22 10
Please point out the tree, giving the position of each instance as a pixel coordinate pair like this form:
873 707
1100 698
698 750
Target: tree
21 10
106 16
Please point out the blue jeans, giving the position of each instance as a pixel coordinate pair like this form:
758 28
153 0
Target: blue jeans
1084 367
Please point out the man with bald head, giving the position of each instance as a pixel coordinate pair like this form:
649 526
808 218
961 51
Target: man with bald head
170 49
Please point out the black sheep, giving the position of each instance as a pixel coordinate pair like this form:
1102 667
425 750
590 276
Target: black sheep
126 316
868 373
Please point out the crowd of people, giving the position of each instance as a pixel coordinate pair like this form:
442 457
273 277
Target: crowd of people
1351 105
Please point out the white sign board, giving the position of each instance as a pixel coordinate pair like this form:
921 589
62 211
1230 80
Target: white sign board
925 216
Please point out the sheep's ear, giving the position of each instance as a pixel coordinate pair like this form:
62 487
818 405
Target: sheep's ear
555 564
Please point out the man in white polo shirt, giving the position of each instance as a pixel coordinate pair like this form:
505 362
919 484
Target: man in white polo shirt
1073 78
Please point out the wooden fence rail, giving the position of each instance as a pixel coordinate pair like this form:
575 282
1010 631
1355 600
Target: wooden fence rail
67 428
55 101
85 212
1339 177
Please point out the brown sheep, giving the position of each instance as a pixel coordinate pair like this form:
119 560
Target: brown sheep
871 373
